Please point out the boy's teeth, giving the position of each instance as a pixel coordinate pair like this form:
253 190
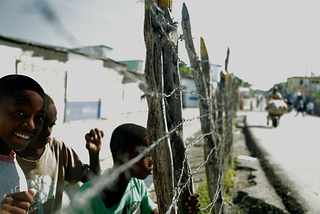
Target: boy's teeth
23 136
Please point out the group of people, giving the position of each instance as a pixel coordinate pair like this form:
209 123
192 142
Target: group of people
35 166
300 105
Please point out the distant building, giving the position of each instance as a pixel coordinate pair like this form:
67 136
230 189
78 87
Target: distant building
215 71
189 96
302 84
134 65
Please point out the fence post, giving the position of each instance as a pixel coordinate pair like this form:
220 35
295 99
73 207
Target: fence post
221 121
212 166
182 174
156 124
228 114
165 115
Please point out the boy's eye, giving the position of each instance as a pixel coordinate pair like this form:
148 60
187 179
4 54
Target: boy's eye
147 155
40 119
20 113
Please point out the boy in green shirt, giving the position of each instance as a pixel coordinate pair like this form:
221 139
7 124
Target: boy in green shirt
128 194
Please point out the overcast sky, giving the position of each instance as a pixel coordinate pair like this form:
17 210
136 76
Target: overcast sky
268 40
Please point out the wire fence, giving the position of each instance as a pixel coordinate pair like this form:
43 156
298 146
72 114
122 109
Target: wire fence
220 105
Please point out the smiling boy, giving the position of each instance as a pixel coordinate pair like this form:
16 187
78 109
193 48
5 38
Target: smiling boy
22 111
48 162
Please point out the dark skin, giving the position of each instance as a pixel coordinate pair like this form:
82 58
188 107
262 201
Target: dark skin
21 120
36 148
140 170
18 202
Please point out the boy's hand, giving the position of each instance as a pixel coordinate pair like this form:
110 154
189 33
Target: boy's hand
93 140
17 202
193 203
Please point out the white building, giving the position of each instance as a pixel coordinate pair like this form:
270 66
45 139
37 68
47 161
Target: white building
84 76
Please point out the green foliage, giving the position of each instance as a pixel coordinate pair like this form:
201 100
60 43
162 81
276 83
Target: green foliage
229 177
183 69
204 196
228 182
281 87
258 91
315 95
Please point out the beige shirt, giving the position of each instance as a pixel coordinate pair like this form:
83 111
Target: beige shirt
57 164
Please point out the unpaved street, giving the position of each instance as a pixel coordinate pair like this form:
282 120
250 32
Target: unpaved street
292 151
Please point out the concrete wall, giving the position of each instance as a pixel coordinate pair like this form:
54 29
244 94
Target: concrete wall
50 74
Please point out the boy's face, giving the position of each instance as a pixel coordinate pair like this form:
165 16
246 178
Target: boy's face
44 137
144 166
21 119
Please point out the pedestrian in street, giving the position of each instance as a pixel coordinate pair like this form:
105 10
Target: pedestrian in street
22 112
300 106
274 95
48 163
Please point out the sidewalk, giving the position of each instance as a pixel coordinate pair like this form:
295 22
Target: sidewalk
252 192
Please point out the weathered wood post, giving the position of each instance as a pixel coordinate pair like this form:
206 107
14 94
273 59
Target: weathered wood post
165 109
156 124
220 104
182 174
205 66
221 121
228 115
212 166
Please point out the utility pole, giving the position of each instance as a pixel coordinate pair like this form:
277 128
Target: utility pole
310 87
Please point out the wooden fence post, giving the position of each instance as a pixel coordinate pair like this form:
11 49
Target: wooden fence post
165 113
182 174
212 166
156 124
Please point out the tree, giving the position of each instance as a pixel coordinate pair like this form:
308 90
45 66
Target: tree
183 69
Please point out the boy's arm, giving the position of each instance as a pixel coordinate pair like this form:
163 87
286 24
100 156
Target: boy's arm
17 202
155 211
93 144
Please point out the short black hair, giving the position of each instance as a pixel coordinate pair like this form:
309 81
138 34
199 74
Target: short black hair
16 84
49 101
126 137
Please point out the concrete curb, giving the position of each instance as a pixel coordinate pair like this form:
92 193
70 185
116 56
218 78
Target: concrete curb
252 192
289 198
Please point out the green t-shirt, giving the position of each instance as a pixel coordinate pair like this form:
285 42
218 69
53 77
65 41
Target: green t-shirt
135 200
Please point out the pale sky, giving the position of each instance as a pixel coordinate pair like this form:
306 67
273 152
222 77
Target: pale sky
269 41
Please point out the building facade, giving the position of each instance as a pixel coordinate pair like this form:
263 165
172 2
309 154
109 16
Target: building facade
83 82
303 85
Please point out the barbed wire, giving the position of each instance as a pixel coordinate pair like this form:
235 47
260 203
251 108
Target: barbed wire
108 178
107 182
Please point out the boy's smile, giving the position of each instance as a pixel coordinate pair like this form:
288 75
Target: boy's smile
21 119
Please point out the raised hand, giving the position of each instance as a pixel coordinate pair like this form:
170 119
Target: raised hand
93 140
